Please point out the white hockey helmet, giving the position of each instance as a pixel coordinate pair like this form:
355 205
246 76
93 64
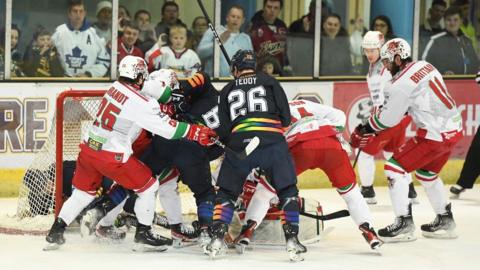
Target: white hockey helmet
396 46
166 75
159 85
373 40
132 66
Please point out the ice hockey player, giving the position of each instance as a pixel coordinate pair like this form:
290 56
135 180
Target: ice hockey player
254 104
107 148
389 140
315 141
417 88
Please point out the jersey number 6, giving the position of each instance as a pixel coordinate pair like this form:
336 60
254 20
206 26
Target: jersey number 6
107 114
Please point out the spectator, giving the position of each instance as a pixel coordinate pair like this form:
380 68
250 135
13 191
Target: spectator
270 66
42 59
123 12
169 18
199 27
335 48
81 51
126 44
147 36
467 28
450 51
16 56
433 24
306 24
382 24
103 25
356 51
182 60
231 37
269 33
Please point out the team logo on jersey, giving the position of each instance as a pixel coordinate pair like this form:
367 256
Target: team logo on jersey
76 60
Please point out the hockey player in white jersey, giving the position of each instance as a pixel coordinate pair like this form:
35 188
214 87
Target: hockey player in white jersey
107 151
378 76
417 88
82 51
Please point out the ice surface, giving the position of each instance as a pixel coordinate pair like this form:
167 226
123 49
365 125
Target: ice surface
342 248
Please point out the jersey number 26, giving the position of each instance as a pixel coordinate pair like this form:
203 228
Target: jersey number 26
242 103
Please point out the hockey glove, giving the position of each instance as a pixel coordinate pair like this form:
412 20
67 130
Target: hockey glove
201 134
179 103
167 108
361 136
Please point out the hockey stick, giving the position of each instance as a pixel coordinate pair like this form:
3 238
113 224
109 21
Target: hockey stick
251 146
356 159
214 31
334 215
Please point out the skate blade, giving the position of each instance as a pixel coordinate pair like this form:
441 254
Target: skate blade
399 238
371 200
148 248
51 246
443 234
181 243
294 256
454 196
213 254
414 201
240 248
375 245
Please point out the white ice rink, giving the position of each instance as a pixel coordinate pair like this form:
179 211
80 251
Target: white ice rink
343 248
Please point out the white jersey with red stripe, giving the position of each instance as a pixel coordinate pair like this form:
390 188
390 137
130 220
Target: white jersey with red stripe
122 114
185 63
312 119
377 78
419 89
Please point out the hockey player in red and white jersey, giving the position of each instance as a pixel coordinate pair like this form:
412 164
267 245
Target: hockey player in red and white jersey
315 141
107 151
389 140
417 88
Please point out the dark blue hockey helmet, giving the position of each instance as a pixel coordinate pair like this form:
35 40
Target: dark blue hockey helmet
243 59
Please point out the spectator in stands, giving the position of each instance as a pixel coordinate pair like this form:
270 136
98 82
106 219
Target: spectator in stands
356 51
382 23
270 66
126 44
103 25
199 27
433 24
467 27
183 61
147 37
123 12
170 11
81 51
16 56
306 24
450 51
42 59
335 48
231 37
269 33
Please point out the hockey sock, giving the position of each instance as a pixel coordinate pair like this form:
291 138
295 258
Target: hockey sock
111 215
397 187
145 203
434 188
357 206
205 212
259 204
366 169
290 211
74 205
224 207
170 200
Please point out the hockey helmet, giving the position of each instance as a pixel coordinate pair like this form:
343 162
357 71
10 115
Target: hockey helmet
131 67
243 59
167 76
159 85
373 40
396 46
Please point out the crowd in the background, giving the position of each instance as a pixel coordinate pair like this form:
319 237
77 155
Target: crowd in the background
79 48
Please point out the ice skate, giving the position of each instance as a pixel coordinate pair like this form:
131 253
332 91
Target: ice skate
126 219
147 240
204 238
55 236
89 221
294 247
183 234
245 237
402 230
412 194
109 233
217 246
442 227
370 236
161 221
455 191
369 194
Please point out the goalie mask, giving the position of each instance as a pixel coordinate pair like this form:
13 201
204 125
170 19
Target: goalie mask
396 46
131 67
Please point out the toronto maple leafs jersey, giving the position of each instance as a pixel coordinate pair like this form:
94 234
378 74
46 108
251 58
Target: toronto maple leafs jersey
377 78
419 89
81 50
185 63
122 115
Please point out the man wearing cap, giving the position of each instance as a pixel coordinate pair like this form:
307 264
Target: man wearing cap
103 25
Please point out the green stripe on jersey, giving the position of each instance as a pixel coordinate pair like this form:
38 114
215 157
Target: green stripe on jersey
167 93
181 130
